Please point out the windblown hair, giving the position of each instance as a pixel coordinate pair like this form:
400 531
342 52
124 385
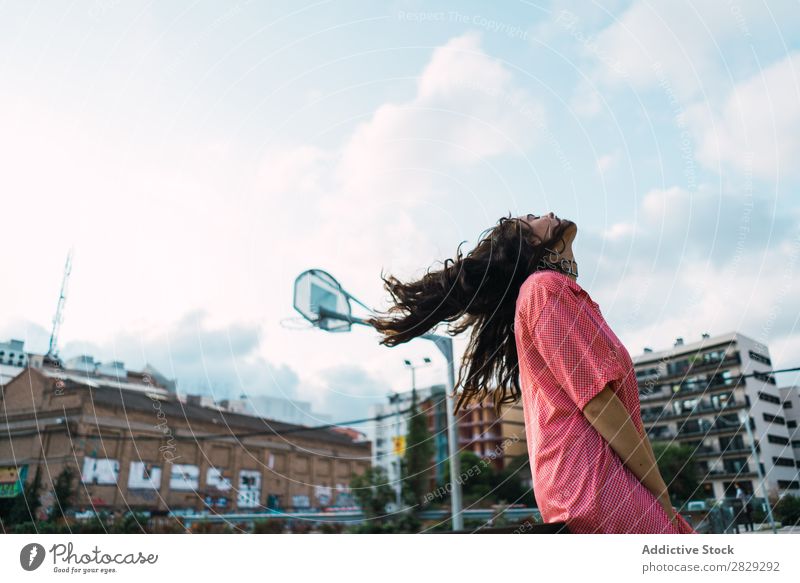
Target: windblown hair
481 290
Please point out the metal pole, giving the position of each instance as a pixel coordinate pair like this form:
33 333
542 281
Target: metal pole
445 345
761 483
396 462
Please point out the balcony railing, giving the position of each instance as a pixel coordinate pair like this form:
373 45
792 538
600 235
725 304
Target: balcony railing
745 472
699 410
698 388
699 366
715 452
694 433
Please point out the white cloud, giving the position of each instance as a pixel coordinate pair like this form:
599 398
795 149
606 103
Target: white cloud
619 230
606 162
687 47
401 162
758 127
694 262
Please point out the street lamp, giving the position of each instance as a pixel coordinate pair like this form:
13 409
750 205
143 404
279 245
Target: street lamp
414 368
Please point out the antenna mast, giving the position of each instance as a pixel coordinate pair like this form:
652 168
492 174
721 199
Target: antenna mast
52 352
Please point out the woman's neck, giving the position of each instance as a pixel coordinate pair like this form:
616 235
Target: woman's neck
563 262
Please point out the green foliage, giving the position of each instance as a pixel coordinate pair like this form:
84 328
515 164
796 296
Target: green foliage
678 468
23 507
508 483
417 460
130 523
484 485
300 527
787 510
407 522
372 491
206 527
331 527
268 526
63 494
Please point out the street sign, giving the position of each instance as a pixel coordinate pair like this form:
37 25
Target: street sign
317 295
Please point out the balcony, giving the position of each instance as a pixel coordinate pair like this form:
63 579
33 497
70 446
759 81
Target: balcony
479 438
716 428
730 475
704 409
700 366
703 452
730 383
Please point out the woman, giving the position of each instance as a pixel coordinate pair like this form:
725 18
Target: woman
538 336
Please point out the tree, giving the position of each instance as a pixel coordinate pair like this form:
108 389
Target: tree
372 491
787 510
677 465
476 478
509 484
63 494
22 507
417 459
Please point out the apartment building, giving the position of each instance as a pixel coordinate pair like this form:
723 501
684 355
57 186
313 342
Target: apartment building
13 359
489 435
698 393
790 397
134 444
480 430
390 427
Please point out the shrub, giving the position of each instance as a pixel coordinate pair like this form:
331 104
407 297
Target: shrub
268 526
300 527
331 527
787 510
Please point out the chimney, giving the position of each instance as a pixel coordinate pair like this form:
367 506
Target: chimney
678 341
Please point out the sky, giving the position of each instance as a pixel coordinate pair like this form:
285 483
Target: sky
198 156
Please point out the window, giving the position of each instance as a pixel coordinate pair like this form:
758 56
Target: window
764 377
769 398
774 419
760 358
786 484
787 405
777 439
783 461
796 443
791 424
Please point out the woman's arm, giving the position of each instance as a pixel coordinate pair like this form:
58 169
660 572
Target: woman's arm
608 415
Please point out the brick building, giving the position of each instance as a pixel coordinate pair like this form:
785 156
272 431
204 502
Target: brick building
150 449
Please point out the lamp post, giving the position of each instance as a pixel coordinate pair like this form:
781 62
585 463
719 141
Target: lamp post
413 368
395 400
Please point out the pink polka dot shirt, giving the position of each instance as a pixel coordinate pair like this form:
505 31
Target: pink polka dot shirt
568 354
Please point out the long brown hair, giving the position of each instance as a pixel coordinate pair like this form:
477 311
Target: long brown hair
481 290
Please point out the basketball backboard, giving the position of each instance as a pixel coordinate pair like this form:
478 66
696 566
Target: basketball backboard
317 294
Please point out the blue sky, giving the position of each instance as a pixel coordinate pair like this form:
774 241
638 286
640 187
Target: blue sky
200 155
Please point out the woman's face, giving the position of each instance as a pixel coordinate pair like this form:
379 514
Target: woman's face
543 225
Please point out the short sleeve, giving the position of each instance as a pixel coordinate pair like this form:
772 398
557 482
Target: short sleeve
578 352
